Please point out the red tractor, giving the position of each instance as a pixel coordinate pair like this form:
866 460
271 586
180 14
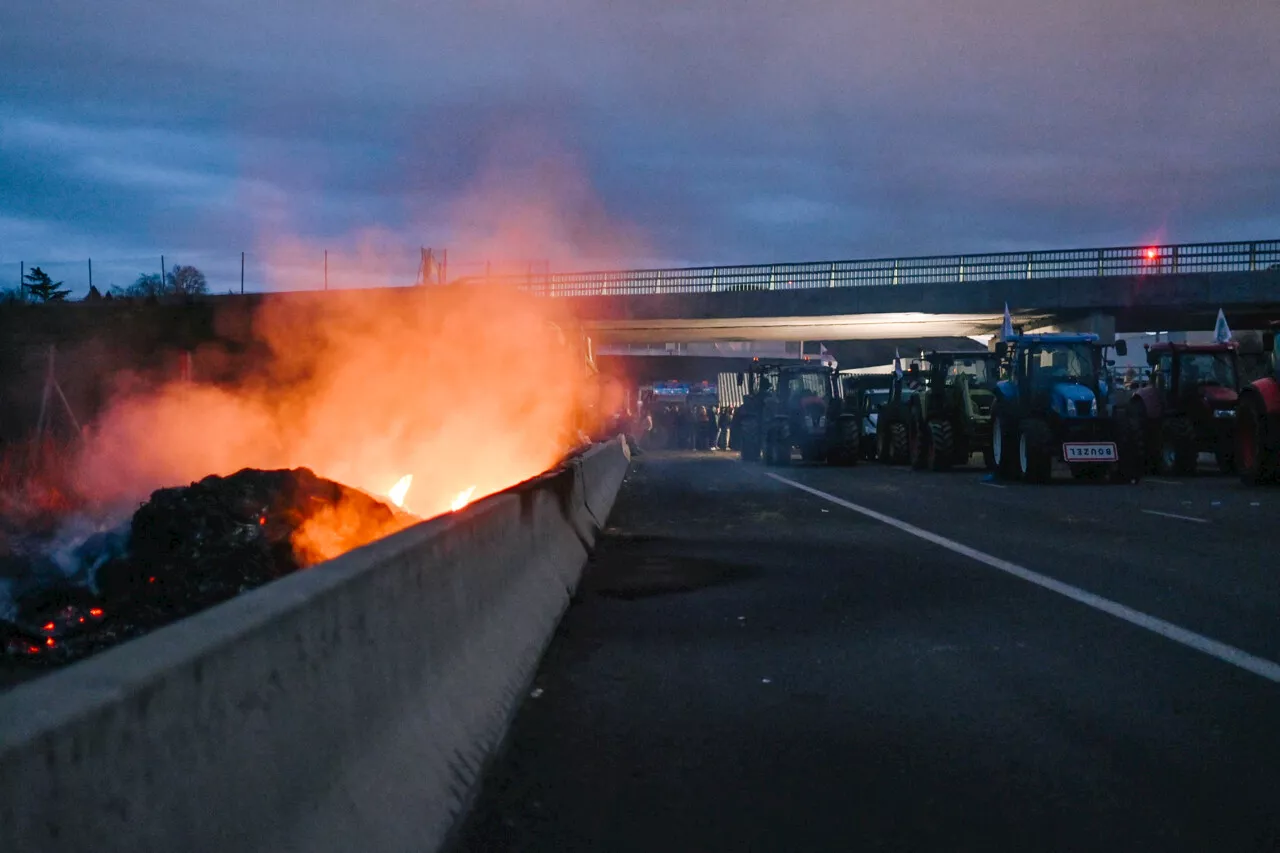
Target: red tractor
1258 423
1189 408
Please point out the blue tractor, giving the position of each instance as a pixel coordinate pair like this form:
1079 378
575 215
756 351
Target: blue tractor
1052 403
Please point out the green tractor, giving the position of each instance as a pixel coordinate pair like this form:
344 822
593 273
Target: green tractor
949 417
797 405
893 445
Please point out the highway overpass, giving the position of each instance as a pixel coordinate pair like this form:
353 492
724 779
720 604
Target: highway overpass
1131 288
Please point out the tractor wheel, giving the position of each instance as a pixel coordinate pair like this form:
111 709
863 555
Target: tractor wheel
750 441
883 452
1004 448
919 441
1225 458
1139 426
1255 455
1178 447
781 453
899 444
1034 460
941 445
1132 445
848 442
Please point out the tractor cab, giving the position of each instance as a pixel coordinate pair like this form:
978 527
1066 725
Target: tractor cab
800 405
1190 406
1195 377
1063 375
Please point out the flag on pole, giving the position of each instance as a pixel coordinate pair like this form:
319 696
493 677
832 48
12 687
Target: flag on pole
897 364
825 356
1221 331
1006 327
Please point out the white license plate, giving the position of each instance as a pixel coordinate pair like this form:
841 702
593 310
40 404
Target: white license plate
1090 451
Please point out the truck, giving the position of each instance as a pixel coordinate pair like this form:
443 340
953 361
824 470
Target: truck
1258 421
1052 404
790 406
949 417
1189 407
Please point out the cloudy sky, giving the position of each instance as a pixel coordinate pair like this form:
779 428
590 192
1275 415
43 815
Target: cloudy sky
612 133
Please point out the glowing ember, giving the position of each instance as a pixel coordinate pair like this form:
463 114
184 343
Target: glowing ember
463 498
400 489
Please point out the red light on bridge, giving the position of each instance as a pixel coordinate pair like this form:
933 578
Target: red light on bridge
1152 254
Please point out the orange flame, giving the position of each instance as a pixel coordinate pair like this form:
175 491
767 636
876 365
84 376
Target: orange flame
462 498
400 489
445 384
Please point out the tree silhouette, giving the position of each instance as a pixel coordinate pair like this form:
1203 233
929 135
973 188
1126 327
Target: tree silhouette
146 285
42 288
186 280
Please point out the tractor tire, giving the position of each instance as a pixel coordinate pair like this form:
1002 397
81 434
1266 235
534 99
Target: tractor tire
884 454
899 444
941 445
1178 454
1137 424
750 441
1255 446
988 459
849 441
1132 445
1225 459
778 449
919 442
1035 461
1004 448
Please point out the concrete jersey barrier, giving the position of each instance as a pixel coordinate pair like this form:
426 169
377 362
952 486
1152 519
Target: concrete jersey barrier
352 706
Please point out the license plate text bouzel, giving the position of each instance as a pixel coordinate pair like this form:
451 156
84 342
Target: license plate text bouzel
1090 451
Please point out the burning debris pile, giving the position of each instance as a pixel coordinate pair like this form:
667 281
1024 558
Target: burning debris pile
184 550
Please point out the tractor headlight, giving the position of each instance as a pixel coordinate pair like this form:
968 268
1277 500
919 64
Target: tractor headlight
1224 413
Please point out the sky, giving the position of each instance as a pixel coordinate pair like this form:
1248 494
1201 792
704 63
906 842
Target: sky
589 135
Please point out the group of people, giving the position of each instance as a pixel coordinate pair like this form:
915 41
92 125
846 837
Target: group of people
679 426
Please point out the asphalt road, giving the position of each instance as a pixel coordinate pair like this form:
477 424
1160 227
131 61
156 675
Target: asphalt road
753 667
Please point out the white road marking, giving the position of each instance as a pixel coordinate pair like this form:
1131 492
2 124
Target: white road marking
1223 652
992 485
1175 515
1163 482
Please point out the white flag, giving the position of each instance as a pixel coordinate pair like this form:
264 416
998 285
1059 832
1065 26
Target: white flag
1221 331
1006 327
897 364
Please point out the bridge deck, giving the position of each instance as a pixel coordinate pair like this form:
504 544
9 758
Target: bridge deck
752 667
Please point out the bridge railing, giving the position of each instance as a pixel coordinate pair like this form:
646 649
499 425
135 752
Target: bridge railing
937 269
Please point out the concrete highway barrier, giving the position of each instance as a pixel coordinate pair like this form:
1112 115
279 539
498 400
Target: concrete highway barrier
352 706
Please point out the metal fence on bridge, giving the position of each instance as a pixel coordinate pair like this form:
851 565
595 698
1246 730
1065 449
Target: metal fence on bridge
938 269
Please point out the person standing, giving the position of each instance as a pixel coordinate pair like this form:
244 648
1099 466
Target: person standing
644 427
722 429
